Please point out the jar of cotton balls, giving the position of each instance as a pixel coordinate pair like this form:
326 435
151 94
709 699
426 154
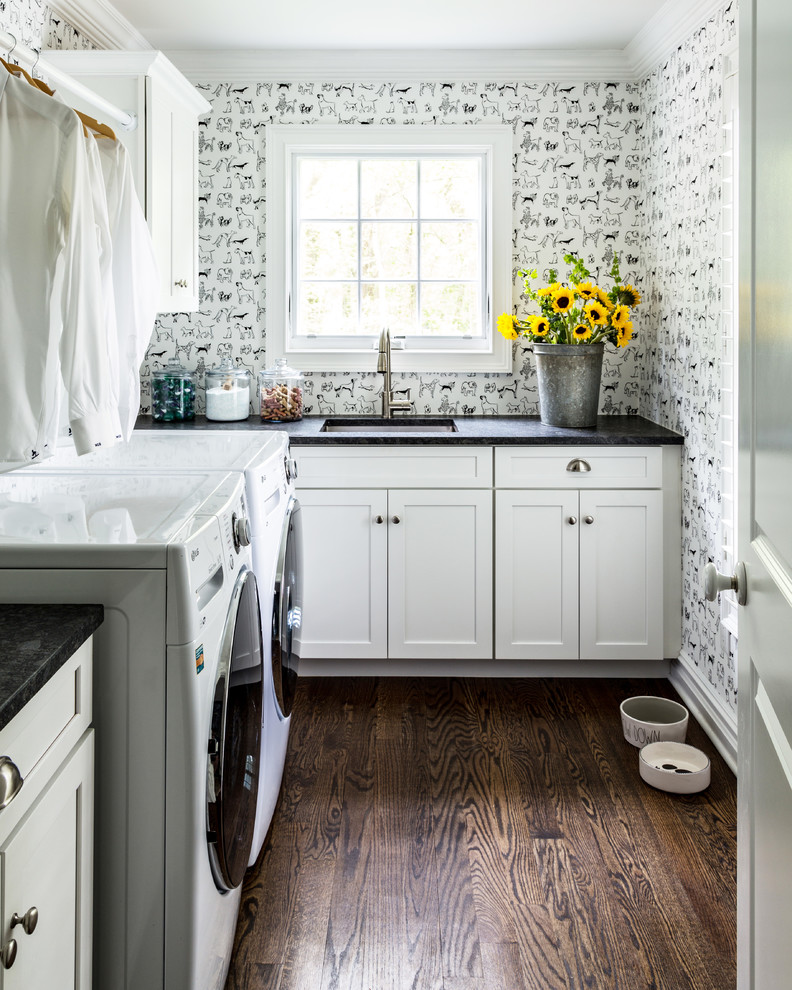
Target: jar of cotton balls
227 392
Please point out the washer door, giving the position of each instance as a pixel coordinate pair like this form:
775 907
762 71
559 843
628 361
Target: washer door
287 609
235 738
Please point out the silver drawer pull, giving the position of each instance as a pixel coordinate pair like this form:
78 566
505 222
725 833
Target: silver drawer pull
572 520
396 520
578 464
8 953
10 781
588 520
379 520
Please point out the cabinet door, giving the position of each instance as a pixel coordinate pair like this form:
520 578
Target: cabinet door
345 579
171 179
536 579
47 864
621 575
440 574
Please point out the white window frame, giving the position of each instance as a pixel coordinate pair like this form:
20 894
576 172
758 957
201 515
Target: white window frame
285 143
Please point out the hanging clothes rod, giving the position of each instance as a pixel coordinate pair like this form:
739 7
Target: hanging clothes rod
30 59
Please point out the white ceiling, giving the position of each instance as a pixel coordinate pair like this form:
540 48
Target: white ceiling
211 25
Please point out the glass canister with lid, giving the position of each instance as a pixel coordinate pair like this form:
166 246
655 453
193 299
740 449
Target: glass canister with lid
281 392
172 392
227 392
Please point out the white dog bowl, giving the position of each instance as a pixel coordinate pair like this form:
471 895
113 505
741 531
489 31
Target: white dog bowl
674 767
647 720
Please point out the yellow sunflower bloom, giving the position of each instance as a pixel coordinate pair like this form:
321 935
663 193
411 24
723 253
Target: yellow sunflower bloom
603 299
629 296
506 326
563 299
586 290
582 331
624 336
548 290
620 316
538 325
596 313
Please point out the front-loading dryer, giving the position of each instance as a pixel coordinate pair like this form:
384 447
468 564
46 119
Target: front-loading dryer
177 701
276 543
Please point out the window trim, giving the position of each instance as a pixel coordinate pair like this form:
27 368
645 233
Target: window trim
284 142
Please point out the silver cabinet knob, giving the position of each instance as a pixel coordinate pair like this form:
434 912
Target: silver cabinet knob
715 582
578 464
379 520
28 920
396 520
572 520
588 520
10 781
8 953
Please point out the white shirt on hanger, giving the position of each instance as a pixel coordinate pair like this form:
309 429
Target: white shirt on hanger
47 222
135 276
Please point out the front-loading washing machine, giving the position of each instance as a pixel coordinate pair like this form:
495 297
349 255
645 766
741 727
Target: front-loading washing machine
276 543
177 701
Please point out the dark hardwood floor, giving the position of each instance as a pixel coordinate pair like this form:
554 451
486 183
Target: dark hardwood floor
485 835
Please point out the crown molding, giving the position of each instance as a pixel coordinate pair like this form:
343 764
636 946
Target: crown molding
672 24
402 65
100 23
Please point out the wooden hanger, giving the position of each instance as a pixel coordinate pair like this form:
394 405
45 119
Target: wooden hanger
17 70
100 130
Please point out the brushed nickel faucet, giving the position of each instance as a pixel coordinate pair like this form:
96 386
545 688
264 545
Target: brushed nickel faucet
389 404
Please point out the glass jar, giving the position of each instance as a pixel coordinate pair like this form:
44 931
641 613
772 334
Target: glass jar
172 393
227 392
281 393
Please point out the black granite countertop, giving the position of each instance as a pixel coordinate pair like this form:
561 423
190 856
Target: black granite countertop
37 640
482 430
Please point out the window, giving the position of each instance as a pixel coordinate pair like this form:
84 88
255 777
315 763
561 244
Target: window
404 227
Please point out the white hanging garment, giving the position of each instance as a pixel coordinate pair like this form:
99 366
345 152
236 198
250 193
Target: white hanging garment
46 221
135 276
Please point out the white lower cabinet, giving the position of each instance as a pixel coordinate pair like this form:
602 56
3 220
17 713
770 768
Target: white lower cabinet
579 571
398 552
46 837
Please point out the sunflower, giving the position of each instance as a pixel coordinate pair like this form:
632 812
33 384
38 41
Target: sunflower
586 290
549 290
506 326
620 316
581 331
538 325
628 295
604 300
624 335
596 313
563 299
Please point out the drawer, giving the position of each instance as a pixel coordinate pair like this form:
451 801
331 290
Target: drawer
59 713
554 467
393 467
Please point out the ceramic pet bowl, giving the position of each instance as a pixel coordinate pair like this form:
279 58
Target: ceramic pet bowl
647 720
674 767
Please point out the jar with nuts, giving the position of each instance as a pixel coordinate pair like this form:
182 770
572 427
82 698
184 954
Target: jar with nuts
281 393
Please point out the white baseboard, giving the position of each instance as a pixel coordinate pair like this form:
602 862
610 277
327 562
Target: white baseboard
483 668
715 718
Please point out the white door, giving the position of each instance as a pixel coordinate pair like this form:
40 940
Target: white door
345 574
765 464
536 575
440 573
621 575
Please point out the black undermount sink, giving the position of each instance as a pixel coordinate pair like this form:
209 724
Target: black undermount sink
408 424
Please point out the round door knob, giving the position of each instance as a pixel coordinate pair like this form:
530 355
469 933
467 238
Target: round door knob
588 520
572 520
28 920
8 954
715 582
396 520
379 520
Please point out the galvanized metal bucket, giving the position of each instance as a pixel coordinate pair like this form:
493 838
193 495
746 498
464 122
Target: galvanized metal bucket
569 383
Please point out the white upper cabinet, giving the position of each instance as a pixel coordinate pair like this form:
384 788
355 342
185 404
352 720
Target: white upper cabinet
163 150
